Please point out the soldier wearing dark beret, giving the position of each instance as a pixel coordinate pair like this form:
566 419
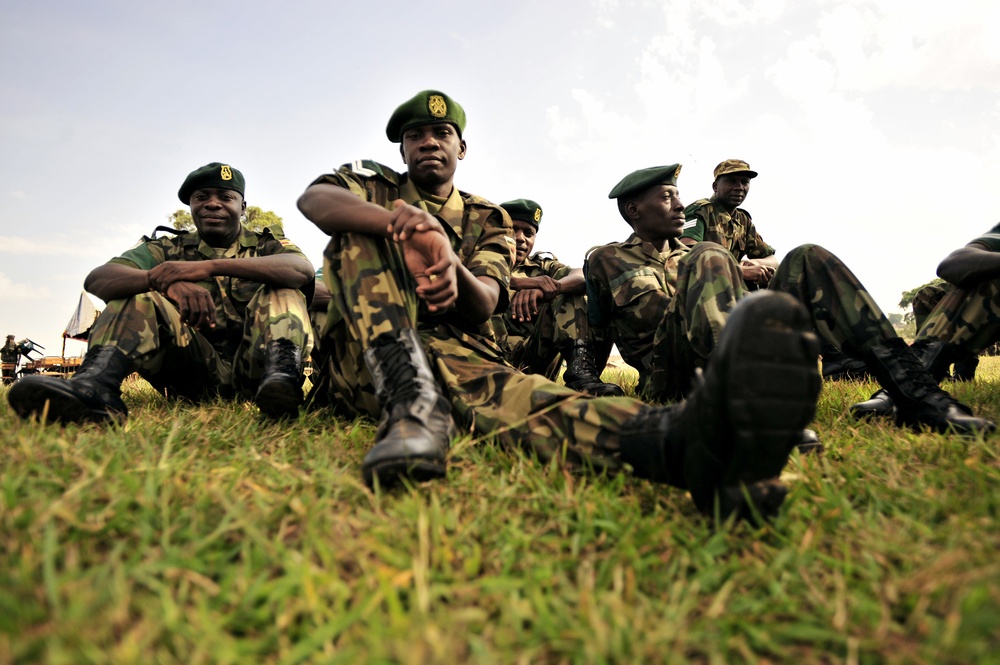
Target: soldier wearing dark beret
219 311
416 268
546 322
668 307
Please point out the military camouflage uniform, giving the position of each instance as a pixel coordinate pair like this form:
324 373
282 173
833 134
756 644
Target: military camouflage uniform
534 346
968 318
707 221
8 356
197 363
667 310
373 293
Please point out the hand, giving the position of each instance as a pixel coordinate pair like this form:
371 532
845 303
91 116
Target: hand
755 273
524 304
549 287
193 302
433 263
171 272
406 220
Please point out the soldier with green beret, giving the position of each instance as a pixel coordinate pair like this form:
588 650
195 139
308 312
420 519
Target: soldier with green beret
546 322
217 311
667 306
416 268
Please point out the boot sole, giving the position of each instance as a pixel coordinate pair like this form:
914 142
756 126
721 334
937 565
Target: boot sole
279 400
392 472
29 397
773 382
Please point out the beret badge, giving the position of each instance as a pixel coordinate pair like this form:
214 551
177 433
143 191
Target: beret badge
226 173
437 106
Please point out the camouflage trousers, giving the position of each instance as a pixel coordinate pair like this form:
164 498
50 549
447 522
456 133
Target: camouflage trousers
709 283
535 346
373 294
925 300
965 318
186 362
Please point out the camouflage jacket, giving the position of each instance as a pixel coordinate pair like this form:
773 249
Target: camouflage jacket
736 232
629 286
537 265
481 232
9 352
231 295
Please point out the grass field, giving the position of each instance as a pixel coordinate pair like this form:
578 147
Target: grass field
201 535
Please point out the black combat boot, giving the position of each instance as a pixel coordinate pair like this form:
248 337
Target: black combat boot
837 365
416 427
729 440
92 394
581 371
280 392
913 390
935 357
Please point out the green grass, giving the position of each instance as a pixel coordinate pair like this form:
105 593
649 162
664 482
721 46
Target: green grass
201 535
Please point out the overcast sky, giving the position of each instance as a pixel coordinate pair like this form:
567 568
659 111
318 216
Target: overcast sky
874 125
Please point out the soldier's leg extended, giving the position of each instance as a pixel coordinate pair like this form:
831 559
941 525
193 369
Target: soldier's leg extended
846 315
962 349
378 365
141 334
277 335
732 435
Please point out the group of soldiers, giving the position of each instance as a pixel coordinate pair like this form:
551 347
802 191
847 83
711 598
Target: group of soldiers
433 316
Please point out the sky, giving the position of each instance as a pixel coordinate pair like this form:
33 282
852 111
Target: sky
875 126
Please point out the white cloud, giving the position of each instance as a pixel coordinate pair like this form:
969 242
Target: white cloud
11 291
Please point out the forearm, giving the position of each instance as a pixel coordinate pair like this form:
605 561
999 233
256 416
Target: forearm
333 209
281 270
477 296
113 281
573 284
969 265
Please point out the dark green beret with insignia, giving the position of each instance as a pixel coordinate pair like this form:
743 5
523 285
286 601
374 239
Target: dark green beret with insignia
524 210
643 178
216 175
427 107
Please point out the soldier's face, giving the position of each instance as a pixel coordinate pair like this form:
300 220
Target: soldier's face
431 153
524 237
731 189
216 214
658 213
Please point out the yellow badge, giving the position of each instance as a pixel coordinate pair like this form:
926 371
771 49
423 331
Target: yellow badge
227 173
538 214
437 106
677 171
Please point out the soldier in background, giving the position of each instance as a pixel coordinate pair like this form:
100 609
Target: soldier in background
667 305
416 268
546 321
218 311
9 354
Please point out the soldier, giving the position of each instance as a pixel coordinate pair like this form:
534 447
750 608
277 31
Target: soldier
924 302
666 305
721 220
547 317
8 356
965 321
215 311
416 268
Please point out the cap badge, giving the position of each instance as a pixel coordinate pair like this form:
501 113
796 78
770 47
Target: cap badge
538 214
677 171
226 173
437 106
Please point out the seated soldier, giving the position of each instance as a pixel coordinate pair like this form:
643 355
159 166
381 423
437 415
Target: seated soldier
666 305
924 302
217 311
965 321
546 321
416 267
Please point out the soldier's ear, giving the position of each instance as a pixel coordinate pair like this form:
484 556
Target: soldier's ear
632 209
715 186
243 206
461 151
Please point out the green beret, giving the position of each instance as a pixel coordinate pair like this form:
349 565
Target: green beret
524 210
733 166
643 178
216 175
428 107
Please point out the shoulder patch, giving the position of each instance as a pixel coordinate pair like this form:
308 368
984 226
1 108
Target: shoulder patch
689 225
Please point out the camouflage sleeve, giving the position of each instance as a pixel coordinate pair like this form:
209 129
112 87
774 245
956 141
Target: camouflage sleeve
990 240
694 226
494 252
272 241
555 269
756 247
366 179
598 293
145 256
